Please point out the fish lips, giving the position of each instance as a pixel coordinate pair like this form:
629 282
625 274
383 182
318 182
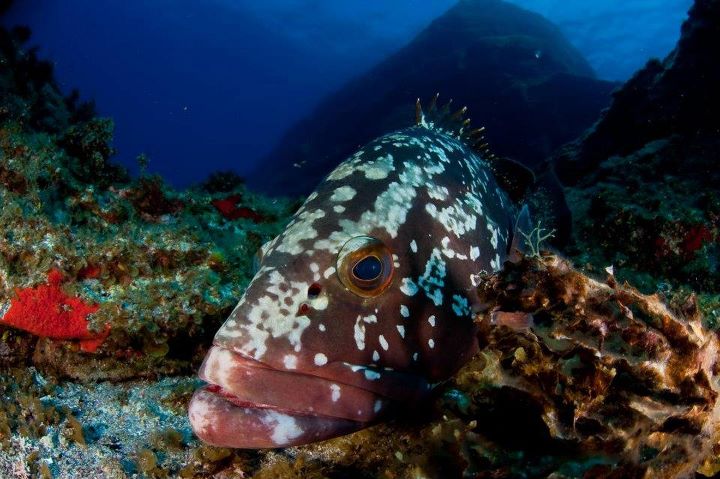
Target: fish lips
249 404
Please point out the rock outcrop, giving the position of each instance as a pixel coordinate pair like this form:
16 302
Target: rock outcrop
643 181
514 71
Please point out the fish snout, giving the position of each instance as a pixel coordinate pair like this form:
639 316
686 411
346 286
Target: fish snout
248 404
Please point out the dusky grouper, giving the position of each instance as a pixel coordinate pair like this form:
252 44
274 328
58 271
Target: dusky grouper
365 301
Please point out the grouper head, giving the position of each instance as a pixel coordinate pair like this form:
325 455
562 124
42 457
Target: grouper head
364 301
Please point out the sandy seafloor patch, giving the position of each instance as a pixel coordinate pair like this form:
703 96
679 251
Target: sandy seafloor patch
118 421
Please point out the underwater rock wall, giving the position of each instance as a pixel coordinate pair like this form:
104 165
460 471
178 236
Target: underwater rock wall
643 181
514 71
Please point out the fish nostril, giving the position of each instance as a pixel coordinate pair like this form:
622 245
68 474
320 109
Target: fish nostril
303 310
314 291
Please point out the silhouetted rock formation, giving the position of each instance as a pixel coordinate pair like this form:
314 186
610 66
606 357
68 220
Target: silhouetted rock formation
678 96
514 70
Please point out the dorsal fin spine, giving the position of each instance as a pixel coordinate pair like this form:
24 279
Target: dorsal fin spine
453 124
513 176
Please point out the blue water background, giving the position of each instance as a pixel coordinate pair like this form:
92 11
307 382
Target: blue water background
200 86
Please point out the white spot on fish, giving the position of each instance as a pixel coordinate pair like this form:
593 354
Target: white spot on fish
321 327
401 330
456 218
320 359
376 356
290 361
377 406
320 303
379 168
408 287
329 272
494 237
437 192
284 427
432 280
272 315
201 416
431 320
431 343
372 375
413 246
460 305
383 342
359 333
342 194
298 230
335 392
495 263
370 318
474 253
339 209
346 168
404 311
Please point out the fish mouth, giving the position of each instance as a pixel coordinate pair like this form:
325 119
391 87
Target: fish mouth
249 404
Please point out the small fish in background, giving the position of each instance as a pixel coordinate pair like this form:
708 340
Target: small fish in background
366 299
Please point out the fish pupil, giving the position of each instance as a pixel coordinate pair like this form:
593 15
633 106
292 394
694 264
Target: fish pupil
368 268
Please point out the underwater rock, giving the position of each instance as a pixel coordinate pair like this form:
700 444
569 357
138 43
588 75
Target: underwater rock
617 379
676 96
513 69
643 181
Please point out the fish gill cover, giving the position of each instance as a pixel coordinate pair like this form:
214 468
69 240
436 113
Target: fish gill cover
569 367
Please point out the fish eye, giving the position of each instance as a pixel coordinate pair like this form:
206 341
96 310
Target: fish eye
365 266
368 268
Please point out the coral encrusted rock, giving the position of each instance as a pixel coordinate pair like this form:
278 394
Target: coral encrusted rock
620 382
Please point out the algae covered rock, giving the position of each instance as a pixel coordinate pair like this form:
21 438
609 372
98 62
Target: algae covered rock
642 183
130 270
623 383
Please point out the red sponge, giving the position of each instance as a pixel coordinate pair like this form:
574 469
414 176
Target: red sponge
47 311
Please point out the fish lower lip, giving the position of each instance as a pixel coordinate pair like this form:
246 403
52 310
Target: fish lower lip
222 423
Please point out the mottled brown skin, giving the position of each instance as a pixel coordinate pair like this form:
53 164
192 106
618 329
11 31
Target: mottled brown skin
439 217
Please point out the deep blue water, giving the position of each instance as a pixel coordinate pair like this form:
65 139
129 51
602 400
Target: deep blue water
202 86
